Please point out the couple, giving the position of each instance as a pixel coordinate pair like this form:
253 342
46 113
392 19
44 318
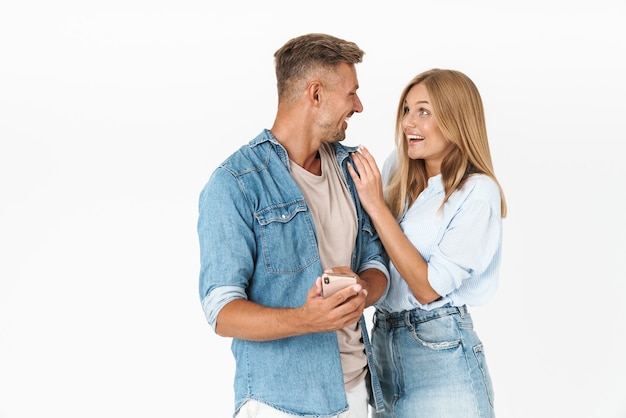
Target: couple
294 203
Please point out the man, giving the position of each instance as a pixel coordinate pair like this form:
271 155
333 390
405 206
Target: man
272 218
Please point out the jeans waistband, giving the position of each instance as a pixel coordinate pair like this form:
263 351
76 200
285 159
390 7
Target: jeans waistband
401 319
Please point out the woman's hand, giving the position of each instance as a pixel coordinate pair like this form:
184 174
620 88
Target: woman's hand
368 182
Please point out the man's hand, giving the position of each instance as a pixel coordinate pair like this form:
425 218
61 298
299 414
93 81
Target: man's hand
248 320
336 311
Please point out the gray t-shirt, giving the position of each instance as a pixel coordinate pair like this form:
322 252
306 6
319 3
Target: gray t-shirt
335 221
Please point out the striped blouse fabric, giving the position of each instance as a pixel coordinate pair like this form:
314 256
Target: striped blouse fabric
461 243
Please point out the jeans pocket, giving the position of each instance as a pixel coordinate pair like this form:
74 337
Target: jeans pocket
437 334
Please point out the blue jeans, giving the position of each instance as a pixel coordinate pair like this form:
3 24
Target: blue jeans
431 364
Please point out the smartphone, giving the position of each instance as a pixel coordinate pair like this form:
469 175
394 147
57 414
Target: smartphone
333 282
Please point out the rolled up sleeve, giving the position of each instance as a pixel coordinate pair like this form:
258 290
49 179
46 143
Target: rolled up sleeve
227 248
467 248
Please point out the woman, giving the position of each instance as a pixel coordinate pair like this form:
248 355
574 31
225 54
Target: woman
440 220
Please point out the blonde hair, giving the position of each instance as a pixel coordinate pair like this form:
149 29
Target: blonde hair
458 110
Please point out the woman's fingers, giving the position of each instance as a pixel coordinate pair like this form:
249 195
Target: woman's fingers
368 159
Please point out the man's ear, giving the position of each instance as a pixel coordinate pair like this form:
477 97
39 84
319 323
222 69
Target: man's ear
314 92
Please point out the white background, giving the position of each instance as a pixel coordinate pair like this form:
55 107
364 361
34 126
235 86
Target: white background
114 114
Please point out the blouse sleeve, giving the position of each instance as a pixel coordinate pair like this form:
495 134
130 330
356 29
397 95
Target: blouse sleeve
470 242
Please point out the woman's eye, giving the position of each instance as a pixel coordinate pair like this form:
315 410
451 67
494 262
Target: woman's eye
424 112
405 110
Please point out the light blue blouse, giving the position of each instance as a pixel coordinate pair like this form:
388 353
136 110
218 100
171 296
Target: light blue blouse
462 243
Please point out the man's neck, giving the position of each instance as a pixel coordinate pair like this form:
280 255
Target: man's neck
301 150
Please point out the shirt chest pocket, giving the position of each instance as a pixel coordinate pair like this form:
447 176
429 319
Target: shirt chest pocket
287 238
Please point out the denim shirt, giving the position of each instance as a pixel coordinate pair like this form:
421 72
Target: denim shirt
258 242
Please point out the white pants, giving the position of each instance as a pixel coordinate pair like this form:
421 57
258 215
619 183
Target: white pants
357 402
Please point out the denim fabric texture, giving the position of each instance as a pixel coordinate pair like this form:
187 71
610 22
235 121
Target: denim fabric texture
258 241
431 365
357 399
